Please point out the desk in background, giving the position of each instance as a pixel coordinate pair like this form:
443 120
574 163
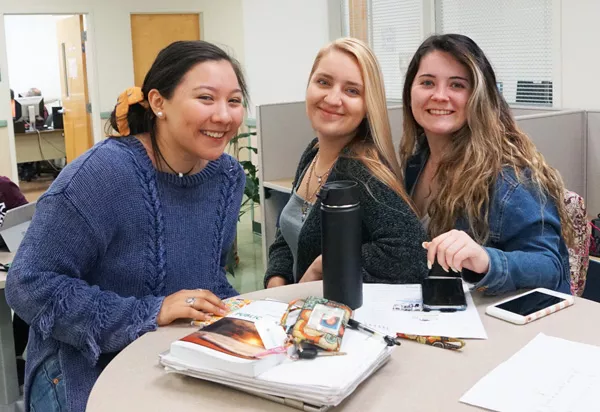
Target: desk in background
279 193
417 378
9 383
52 142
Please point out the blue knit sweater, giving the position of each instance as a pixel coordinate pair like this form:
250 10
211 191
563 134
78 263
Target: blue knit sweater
109 239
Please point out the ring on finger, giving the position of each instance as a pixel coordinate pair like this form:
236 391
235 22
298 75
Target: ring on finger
190 301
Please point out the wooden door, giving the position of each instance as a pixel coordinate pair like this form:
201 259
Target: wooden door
74 88
150 33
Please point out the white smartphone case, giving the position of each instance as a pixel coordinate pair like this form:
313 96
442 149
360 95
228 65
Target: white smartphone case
495 311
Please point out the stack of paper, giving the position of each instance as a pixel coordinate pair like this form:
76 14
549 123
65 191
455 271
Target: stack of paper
395 309
321 382
548 375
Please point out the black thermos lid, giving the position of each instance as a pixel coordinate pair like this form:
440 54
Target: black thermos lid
339 193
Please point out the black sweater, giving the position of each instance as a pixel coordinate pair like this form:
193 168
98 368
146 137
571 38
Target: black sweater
391 232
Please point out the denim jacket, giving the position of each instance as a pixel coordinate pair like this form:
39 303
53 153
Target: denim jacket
525 245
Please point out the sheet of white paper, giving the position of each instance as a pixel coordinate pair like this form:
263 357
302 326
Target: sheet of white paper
387 309
548 375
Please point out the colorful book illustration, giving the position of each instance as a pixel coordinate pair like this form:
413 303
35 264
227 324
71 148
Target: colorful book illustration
233 343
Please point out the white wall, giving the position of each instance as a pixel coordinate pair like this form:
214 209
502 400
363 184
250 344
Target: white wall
580 33
110 46
281 40
32 50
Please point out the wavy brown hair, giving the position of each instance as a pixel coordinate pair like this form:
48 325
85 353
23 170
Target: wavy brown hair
488 142
372 144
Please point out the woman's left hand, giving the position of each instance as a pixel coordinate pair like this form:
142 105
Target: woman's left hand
457 250
314 272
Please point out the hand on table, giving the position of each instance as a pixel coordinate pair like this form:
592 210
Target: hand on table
196 304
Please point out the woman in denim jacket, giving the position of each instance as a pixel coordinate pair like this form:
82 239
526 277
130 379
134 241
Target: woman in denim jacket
489 201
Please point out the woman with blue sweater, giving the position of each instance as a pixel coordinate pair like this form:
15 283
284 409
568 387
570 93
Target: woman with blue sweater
133 234
491 204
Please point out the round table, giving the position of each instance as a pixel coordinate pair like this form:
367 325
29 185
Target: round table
417 378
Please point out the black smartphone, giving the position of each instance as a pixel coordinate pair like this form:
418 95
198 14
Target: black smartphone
444 294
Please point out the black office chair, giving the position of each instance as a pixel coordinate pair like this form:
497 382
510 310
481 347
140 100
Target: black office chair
592 284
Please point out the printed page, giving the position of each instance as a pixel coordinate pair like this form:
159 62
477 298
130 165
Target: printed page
548 375
398 309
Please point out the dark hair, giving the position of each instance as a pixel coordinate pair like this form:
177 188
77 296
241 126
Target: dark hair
12 94
170 66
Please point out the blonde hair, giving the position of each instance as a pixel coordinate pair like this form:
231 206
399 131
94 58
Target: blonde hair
373 147
489 141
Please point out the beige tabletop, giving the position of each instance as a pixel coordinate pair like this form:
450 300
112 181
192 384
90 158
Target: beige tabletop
282 185
417 378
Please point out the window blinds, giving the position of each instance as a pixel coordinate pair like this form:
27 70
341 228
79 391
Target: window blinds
516 37
394 33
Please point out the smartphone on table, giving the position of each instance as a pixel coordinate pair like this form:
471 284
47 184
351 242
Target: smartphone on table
529 306
443 291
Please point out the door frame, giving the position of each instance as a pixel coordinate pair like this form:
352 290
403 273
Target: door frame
92 74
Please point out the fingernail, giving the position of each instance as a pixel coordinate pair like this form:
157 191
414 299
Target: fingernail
429 264
446 269
454 269
222 311
425 245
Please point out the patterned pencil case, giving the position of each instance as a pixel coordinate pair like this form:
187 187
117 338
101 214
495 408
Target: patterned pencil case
321 322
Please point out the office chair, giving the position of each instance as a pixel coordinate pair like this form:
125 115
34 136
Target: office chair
592 285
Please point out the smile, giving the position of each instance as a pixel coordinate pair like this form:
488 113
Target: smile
330 113
437 112
214 135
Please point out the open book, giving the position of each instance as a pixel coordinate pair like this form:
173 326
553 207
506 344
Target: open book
233 343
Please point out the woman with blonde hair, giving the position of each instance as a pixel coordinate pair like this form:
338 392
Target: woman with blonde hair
486 196
345 102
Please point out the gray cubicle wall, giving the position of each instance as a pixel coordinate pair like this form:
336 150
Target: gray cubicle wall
593 163
525 110
283 132
561 137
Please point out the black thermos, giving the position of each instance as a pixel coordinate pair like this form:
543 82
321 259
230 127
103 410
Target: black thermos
341 242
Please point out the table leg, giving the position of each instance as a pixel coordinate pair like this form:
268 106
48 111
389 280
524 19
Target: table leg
9 385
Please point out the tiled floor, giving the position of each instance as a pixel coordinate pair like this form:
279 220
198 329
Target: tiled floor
250 271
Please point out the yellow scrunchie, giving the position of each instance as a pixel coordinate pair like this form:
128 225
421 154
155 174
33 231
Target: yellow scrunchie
129 97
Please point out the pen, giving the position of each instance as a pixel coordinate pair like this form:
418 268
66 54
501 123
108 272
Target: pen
390 340
437 341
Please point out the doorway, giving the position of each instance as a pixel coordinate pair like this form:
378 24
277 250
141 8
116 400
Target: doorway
48 78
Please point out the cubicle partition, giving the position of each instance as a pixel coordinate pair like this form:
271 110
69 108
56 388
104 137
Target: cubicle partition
524 110
593 163
561 136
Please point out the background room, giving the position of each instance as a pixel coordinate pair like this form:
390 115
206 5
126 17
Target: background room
41 67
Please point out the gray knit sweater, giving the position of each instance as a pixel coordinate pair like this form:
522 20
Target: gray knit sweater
392 234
